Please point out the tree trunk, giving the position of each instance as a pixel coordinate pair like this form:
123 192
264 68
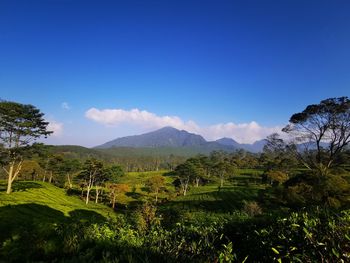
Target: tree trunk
113 203
87 195
221 182
197 182
12 173
50 178
70 185
185 188
97 193
9 182
101 195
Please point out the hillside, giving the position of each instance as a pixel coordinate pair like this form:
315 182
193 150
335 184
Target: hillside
38 202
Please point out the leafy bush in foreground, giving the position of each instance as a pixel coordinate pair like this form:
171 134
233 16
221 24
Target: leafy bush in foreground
317 236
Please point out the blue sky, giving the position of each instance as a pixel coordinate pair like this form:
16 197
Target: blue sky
238 69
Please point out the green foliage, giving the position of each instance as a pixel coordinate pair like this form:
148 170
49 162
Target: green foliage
114 173
276 177
20 125
307 237
309 189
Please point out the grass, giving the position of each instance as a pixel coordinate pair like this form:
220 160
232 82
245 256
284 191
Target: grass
37 206
35 213
211 199
45 194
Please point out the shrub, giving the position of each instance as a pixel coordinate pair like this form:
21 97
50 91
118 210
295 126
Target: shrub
252 208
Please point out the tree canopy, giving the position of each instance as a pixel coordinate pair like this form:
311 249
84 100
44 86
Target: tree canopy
20 124
321 131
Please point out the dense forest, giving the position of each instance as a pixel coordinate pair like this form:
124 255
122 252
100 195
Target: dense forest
288 203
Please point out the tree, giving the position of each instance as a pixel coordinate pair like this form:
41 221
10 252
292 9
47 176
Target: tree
155 183
184 172
222 170
198 171
115 190
277 155
53 165
114 173
321 133
30 169
70 167
276 177
20 125
92 170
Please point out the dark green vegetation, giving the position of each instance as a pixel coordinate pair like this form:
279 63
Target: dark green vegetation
287 204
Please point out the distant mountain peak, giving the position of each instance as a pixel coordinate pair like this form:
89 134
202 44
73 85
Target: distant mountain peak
164 137
171 137
227 141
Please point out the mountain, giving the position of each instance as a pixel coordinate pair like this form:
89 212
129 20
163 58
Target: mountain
165 137
169 139
228 142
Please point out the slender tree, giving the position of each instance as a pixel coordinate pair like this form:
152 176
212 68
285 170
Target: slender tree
116 190
91 171
155 183
20 125
223 169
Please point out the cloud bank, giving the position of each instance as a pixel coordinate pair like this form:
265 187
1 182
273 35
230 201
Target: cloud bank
56 127
242 132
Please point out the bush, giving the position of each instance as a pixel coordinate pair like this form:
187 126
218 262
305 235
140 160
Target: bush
252 208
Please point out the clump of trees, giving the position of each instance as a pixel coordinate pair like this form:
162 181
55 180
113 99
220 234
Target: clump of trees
202 169
310 163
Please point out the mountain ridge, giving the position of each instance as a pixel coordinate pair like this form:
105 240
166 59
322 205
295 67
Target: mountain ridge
172 137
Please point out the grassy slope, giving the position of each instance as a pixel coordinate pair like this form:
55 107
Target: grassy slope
47 195
212 199
34 204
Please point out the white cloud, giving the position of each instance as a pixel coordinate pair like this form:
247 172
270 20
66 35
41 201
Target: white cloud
56 127
242 132
111 117
65 106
